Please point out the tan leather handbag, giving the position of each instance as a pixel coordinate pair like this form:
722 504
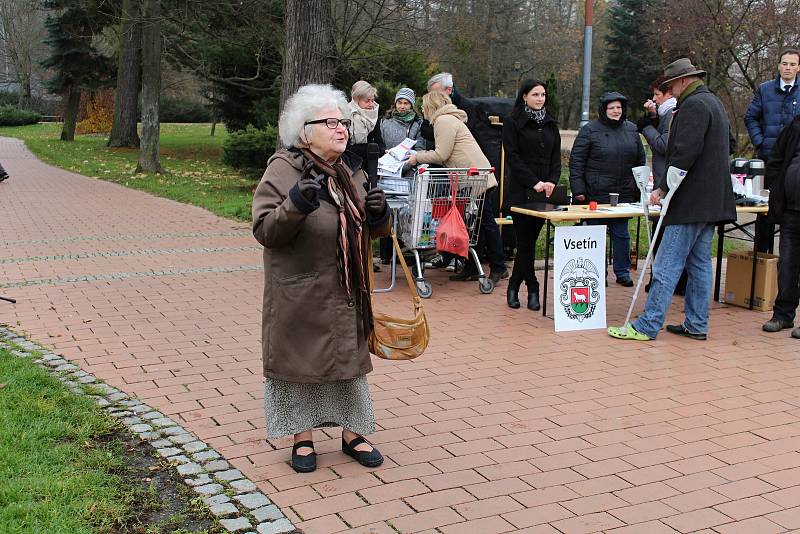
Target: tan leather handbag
393 338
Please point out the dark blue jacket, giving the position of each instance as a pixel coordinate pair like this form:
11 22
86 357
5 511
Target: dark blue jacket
770 111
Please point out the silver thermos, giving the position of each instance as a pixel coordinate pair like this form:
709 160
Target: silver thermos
755 177
739 166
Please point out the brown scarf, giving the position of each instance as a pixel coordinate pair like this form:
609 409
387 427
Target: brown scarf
352 261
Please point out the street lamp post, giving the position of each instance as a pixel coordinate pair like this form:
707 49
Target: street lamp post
587 61
517 66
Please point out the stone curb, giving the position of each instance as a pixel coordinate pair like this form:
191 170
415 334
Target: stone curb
199 465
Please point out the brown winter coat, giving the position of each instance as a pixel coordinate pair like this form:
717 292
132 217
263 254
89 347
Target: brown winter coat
455 145
311 331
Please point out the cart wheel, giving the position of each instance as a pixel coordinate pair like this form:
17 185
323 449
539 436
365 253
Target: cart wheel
486 285
424 289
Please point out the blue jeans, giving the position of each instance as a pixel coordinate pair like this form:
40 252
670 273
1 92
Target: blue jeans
620 245
682 246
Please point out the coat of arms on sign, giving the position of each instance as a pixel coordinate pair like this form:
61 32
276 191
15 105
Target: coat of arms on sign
579 282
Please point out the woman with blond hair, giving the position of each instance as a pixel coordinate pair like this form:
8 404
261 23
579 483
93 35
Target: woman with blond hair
365 128
457 148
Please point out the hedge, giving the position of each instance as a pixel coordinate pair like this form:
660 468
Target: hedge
11 116
250 148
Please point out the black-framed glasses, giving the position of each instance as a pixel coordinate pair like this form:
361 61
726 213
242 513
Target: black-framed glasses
331 123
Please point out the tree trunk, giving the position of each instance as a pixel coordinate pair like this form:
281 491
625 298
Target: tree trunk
126 100
310 51
71 114
151 87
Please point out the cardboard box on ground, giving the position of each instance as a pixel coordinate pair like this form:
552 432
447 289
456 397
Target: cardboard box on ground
738 275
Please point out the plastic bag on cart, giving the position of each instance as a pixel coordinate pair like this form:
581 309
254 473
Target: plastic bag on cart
452 235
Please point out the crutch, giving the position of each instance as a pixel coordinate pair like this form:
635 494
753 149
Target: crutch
674 178
642 176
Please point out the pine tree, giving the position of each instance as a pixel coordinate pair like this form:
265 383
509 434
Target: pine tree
551 88
77 64
633 58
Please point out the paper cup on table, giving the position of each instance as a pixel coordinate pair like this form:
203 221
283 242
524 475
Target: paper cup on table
614 198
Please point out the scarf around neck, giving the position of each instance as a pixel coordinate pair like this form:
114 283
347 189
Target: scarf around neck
364 121
667 106
691 88
404 116
536 115
351 259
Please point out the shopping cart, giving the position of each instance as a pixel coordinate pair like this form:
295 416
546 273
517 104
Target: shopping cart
429 199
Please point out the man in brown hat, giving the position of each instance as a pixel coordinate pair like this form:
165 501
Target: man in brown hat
697 160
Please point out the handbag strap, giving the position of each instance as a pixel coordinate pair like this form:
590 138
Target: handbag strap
409 279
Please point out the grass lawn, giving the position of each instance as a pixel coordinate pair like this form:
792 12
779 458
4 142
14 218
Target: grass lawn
194 172
64 465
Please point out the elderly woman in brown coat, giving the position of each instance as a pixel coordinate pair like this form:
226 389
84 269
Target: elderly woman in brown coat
315 219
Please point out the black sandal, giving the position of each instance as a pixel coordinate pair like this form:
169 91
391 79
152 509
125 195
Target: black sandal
304 464
372 458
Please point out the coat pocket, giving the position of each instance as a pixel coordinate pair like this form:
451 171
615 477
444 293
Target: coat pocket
301 334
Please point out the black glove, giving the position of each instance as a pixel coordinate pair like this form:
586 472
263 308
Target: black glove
307 185
376 202
644 122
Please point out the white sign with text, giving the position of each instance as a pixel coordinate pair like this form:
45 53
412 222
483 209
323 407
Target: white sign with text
579 289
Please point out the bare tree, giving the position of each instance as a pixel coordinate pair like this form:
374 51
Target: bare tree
310 50
126 99
736 41
21 36
151 87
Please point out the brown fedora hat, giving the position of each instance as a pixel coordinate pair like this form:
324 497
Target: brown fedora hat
680 68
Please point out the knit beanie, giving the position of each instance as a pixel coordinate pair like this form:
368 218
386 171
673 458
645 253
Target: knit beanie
406 93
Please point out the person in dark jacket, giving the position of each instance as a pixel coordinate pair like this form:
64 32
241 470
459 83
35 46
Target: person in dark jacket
773 107
783 170
654 126
698 152
601 162
3 174
533 150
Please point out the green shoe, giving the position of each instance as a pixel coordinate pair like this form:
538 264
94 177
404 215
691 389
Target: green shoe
627 332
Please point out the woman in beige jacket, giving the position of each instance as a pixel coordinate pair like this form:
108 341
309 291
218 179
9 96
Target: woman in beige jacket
457 148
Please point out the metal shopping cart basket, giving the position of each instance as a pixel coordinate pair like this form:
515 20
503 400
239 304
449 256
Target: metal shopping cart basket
428 201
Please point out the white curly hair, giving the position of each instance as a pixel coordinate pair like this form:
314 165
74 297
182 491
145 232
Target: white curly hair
304 106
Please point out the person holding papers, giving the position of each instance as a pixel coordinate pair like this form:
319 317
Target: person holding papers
400 124
533 150
403 122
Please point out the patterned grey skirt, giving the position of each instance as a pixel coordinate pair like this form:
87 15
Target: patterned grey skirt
293 407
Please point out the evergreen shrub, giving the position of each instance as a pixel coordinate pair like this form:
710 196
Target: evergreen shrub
11 116
250 148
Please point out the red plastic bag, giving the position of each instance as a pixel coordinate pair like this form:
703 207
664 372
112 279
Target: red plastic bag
451 234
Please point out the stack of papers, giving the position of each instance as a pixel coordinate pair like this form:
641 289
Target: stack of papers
391 163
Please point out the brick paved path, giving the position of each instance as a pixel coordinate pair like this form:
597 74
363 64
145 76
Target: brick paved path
502 426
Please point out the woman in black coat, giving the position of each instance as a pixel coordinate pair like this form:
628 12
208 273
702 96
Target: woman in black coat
533 149
600 163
